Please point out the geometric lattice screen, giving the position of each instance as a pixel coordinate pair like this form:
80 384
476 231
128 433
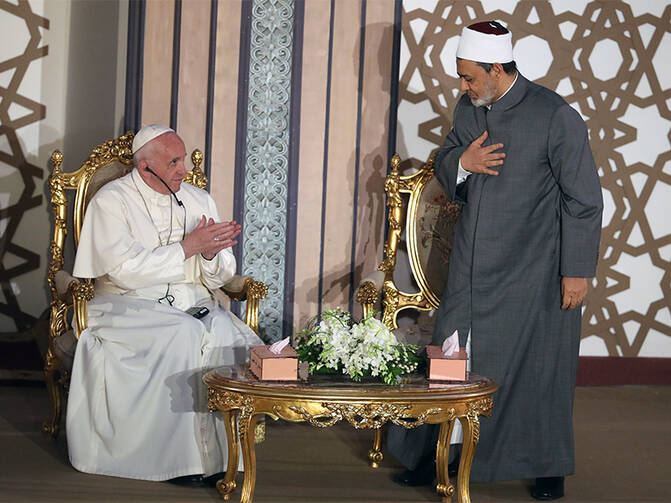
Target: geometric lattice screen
610 61
21 188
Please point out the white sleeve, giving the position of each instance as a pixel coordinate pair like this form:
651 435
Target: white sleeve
109 245
462 174
214 273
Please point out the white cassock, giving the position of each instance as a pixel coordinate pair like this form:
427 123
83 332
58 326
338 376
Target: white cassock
137 406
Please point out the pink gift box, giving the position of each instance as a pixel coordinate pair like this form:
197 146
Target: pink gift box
446 368
268 366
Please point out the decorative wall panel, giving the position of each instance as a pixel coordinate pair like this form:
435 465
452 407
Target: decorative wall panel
267 159
609 60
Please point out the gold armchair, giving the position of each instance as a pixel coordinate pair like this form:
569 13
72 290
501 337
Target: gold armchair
107 162
430 218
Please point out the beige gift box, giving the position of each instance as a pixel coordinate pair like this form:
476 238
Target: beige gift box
446 368
268 366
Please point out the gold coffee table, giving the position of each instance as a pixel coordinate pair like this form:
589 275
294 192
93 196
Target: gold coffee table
325 400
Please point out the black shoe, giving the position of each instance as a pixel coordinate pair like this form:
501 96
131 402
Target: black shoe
213 479
423 475
548 488
188 481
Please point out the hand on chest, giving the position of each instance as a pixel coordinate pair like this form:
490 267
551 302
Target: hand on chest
525 143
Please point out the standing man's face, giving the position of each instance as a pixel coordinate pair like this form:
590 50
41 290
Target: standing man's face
477 83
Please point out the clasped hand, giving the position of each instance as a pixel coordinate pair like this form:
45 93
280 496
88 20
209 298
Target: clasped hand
479 159
209 238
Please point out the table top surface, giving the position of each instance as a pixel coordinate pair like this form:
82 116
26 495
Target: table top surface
238 378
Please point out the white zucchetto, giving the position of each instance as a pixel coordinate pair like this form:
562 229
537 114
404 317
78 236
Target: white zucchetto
486 42
147 134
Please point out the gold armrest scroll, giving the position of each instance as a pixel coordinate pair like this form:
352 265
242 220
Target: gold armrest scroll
246 288
369 291
75 292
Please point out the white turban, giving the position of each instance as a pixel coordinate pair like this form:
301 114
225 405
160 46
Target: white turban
483 45
147 134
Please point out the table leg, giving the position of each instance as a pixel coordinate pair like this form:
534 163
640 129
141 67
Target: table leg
444 487
226 485
247 427
375 455
471 427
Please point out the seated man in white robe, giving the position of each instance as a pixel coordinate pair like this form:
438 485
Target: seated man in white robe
137 406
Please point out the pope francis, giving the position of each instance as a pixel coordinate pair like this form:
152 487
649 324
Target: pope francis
137 404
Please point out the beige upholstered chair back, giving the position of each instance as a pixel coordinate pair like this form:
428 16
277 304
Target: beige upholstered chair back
107 173
430 231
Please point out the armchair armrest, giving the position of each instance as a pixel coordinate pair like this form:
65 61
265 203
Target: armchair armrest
369 291
246 288
77 293
62 280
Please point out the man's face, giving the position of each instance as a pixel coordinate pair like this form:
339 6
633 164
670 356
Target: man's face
476 82
166 158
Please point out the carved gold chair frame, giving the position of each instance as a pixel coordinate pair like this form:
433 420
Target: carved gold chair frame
69 293
382 281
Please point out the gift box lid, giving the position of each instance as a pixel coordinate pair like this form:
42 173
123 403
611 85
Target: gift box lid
436 353
265 352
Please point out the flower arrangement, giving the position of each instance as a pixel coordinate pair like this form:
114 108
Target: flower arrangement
368 348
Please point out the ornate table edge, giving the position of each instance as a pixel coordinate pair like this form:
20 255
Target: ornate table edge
324 413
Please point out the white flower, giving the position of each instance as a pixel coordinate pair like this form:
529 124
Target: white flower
367 347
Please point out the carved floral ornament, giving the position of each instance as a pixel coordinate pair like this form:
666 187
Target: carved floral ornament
323 414
223 400
484 406
257 289
368 416
83 291
226 400
367 293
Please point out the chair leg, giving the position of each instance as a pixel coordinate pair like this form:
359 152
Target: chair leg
51 426
375 455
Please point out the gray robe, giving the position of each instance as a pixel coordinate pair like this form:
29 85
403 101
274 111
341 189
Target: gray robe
517 235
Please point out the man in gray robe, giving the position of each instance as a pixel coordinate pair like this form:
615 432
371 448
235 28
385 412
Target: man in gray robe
527 241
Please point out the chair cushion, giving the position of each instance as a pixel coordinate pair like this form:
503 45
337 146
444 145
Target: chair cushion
419 335
236 283
64 347
63 279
